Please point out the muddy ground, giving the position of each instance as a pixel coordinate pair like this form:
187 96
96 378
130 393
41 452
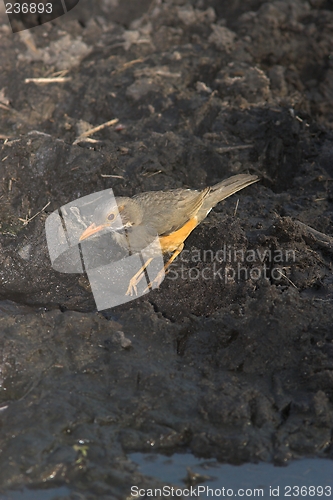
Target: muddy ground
240 368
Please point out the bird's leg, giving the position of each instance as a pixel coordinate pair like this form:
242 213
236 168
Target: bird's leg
160 276
132 287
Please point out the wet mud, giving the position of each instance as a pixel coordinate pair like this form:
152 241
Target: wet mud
232 357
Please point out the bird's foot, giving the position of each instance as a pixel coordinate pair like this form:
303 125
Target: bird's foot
132 287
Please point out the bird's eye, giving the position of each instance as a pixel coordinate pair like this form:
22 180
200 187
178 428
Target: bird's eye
111 216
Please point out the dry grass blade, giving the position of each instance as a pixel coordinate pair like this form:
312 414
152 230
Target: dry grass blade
95 129
233 148
48 80
114 176
26 221
286 277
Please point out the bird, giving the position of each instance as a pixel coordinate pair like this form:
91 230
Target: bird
161 219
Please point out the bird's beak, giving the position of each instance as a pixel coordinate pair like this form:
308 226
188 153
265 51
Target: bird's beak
92 229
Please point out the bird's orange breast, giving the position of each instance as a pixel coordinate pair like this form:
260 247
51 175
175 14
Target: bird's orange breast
171 242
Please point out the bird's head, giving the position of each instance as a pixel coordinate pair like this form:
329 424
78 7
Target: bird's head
118 214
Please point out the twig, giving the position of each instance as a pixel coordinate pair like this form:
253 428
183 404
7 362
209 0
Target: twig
26 221
134 61
151 174
61 73
48 80
168 74
237 202
314 236
115 176
233 148
87 139
128 64
96 129
286 277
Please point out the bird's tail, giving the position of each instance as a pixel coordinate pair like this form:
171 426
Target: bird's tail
224 189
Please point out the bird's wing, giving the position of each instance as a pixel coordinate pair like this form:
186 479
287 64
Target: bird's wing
168 211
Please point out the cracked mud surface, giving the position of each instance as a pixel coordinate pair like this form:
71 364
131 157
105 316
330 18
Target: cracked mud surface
238 369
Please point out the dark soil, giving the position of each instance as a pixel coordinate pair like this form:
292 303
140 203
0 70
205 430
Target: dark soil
238 368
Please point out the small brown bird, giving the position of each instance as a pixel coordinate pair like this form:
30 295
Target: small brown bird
169 215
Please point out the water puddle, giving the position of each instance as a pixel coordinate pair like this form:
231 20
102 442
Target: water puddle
193 477
26 494
187 476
